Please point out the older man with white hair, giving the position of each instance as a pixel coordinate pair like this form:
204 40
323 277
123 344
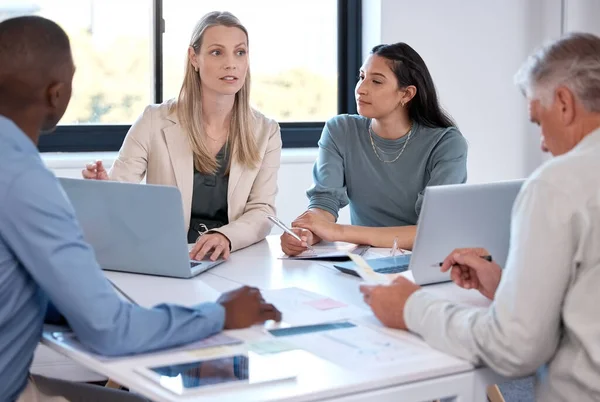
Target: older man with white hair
545 313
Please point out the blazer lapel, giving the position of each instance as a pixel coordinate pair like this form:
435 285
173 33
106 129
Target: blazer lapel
182 160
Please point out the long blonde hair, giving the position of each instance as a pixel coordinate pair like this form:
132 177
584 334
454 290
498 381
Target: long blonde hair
241 142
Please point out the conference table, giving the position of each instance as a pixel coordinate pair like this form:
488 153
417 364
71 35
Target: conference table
412 372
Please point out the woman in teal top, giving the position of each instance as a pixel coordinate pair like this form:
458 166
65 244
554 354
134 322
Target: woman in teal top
380 161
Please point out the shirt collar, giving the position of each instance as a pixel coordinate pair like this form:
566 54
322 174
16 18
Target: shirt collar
14 134
589 140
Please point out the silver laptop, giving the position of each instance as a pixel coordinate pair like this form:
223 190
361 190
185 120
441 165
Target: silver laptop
462 215
135 228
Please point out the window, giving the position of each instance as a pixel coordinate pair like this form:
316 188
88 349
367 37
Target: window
293 60
112 53
304 56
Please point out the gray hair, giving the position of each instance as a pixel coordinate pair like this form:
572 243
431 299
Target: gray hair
572 61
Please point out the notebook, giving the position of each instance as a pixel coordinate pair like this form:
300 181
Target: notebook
336 251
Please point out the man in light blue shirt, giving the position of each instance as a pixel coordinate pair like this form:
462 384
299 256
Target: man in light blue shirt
44 259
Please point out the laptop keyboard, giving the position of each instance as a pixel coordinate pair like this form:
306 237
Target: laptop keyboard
383 265
394 269
391 265
202 266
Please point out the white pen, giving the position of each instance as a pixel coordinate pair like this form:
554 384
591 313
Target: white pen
287 230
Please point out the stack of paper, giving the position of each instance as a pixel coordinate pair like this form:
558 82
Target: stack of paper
363 348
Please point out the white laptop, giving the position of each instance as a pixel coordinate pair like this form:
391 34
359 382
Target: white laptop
458 216
454 216
135 228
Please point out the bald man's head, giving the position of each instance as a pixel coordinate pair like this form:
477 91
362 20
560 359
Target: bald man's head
36 68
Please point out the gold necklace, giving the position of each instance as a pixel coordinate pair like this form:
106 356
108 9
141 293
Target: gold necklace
375 148
216 140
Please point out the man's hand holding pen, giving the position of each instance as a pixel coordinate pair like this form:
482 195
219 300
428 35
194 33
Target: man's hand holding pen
473 269
469 268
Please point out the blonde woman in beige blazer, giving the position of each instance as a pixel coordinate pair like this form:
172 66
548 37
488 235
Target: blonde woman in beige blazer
223 155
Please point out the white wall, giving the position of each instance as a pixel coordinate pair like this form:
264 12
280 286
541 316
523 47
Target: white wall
473 49
582 15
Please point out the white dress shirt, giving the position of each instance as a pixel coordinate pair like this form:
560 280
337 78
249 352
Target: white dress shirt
546 313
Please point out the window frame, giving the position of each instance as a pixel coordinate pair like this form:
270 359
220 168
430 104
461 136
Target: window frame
109 137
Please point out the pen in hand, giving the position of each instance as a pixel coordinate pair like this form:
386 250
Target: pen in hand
294 235
485 257
289 231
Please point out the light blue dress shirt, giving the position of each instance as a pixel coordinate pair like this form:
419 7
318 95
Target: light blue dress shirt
44 258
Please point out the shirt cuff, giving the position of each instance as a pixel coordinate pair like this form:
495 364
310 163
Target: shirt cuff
214 314
415 308
326 204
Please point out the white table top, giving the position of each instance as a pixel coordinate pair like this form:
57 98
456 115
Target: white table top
317 379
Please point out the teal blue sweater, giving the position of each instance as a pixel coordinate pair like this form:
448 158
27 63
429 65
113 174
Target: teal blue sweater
348 171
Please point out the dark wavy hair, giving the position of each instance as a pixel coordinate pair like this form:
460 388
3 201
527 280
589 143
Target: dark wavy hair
410 69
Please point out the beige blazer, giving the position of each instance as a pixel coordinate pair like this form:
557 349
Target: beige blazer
156 147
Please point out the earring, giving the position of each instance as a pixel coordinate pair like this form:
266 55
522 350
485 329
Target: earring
402 103
196 69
